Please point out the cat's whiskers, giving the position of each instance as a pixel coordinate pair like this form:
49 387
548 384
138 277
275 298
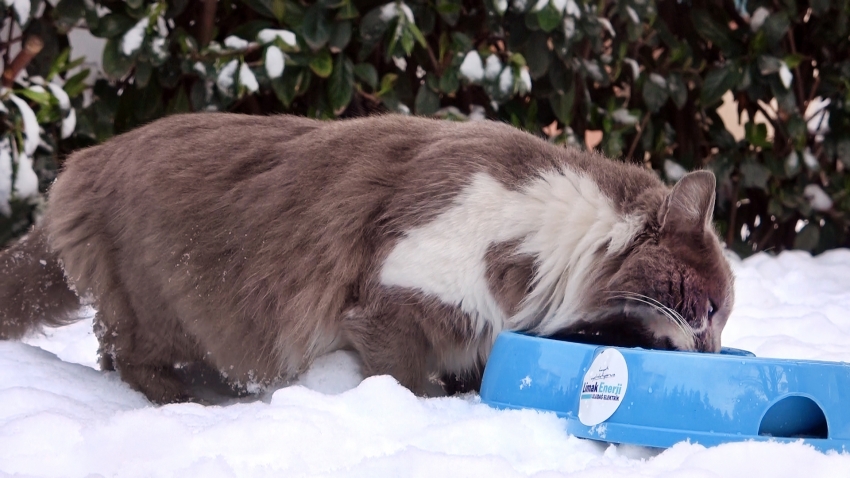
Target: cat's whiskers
671 314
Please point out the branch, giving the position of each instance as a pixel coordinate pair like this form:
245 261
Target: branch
638 135
772 122
799 82
32 47
207 23
733 215
8 52
227 53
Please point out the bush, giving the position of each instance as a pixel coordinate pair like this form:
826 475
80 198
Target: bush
642 79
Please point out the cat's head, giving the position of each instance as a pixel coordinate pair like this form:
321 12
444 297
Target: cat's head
673 289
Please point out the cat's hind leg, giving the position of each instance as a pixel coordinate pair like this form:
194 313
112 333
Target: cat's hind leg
144 343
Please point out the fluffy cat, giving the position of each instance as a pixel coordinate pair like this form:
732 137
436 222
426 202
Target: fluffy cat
254 244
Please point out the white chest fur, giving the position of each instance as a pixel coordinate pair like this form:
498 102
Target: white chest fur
561 218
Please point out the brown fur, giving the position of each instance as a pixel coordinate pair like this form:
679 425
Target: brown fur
33 288
253 244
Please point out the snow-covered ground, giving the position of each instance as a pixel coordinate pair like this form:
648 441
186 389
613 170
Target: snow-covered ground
60 416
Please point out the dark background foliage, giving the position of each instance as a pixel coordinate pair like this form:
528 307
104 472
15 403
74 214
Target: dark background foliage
642 80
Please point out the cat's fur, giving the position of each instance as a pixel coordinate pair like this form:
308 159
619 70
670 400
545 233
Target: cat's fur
254 244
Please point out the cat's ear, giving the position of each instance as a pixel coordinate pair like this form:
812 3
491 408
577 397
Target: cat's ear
690 205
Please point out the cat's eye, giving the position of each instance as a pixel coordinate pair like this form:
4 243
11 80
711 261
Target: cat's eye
711 308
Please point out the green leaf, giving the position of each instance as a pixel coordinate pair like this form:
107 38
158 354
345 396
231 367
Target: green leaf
340 37
113 25
549 18
68 12
252 28
179 103
718 81
341 84
316 27
775 27
263 7
537 54
562 104
371 28
756 134
143 73
148 104
427 102
367 73
808 237
115 64
414 30
198 96
449 82
755 175
714 32
794 60
655 93
819 7
58 64
76 84
347 12
449 10
41 97
387 84
678 90
322 64
769 64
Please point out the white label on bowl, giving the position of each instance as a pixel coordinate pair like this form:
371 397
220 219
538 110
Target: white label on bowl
603 388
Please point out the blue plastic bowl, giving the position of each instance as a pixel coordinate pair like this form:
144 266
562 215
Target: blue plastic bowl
659 398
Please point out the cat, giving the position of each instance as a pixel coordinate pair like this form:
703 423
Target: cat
255 244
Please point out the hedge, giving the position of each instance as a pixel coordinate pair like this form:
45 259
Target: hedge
640 79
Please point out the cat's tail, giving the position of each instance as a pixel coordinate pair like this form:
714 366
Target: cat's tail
33 289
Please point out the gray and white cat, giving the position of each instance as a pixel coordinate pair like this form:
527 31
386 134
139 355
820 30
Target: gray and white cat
255 244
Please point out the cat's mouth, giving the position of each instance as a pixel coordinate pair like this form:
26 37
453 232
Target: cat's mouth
624 322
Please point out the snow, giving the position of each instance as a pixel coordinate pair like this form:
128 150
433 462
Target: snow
573 9
31 129
159 48
569 27
658 80
26 181
540 5
785 75
492 67
634 67
22 9
235 43
394 9
134 37
247 78
59 416
673 170
633 16
506 81
226 76
758 18
623 116
5 177
274 62
269 35
472 68
69 119
606 24
817 198
810 159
